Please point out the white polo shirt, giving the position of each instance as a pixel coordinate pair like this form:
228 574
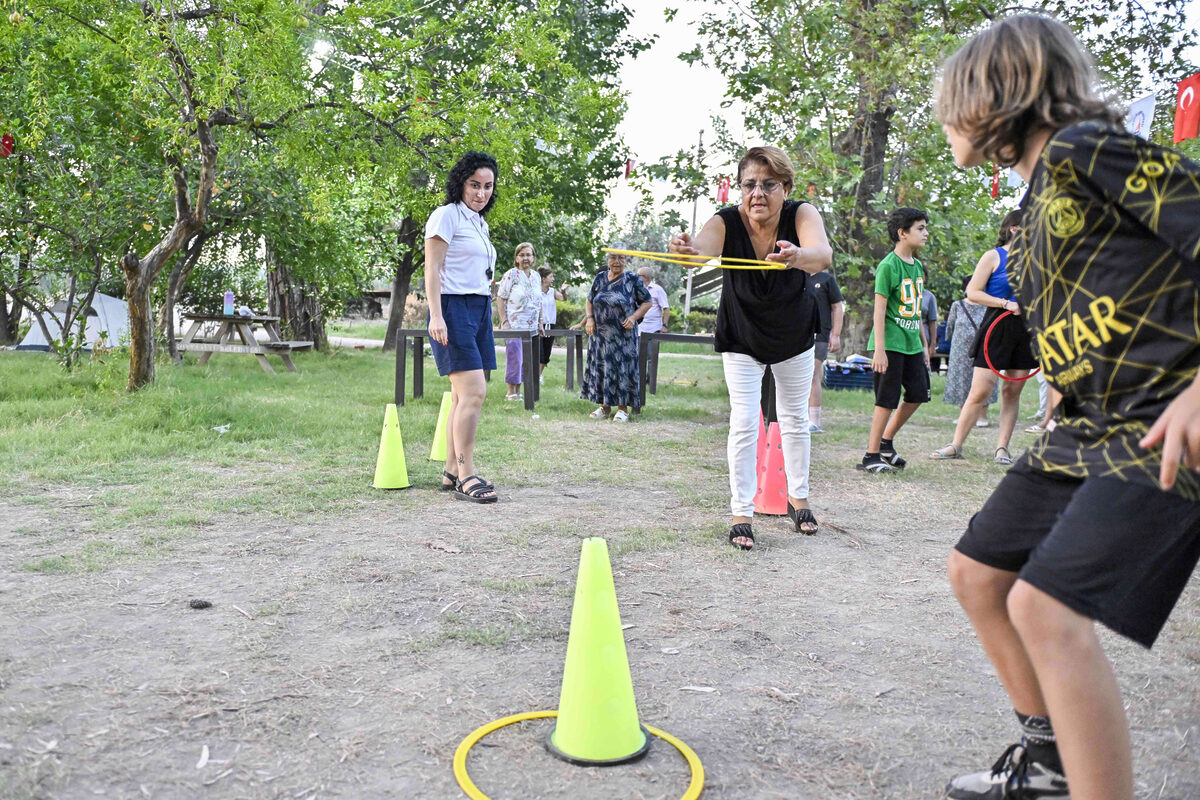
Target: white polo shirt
469 253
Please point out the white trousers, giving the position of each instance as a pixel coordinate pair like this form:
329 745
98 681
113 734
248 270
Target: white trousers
793 382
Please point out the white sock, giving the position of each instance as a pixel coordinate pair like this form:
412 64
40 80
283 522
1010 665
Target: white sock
814 415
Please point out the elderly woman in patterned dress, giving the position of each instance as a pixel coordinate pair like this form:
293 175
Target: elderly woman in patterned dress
616 303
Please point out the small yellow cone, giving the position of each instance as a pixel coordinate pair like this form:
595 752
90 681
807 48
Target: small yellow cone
438 451
390 470
597 714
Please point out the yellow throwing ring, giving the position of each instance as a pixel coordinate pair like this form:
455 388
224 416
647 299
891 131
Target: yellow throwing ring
689 260
472 791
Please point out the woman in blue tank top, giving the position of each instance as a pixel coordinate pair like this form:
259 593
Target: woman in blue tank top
1009 348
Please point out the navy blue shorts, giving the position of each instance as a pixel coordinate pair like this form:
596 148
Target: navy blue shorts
469 343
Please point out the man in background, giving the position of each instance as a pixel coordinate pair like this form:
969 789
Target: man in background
831 309
656 318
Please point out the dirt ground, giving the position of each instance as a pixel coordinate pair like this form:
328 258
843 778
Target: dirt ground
348 657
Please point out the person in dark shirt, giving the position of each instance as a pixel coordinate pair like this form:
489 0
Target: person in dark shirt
1097 521
767 317
831 308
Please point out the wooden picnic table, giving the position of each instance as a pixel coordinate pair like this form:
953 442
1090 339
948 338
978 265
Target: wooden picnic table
231 325
531 350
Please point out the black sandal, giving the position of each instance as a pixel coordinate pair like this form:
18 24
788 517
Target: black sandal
477 493
742 531
449 487
802 516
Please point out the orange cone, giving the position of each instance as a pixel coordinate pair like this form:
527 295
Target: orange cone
771 497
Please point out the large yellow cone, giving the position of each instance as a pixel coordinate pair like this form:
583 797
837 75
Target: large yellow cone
438 451
597 715
390 470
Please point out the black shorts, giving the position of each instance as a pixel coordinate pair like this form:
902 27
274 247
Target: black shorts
905 371
1114 551
547 345
1009 346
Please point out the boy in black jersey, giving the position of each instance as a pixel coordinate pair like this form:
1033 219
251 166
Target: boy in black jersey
1096 522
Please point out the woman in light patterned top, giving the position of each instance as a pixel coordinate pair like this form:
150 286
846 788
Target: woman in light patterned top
519 302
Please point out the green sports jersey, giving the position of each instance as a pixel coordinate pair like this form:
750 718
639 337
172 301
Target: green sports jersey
902 284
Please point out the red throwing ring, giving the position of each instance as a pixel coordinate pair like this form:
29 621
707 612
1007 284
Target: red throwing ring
988 358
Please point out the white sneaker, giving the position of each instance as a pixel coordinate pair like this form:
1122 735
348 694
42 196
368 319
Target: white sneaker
512 397
599 413
541 380
983 423
620 416
1012 776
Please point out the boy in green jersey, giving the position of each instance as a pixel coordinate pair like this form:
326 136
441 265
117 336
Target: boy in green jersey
901 357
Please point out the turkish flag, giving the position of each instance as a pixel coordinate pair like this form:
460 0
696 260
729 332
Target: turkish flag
7 145
629 162
1187 109
996 182
723 191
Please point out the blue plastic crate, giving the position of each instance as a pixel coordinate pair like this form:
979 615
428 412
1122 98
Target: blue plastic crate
849 376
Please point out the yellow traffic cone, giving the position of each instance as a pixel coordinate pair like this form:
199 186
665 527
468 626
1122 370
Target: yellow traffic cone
438 451
597 714
390 470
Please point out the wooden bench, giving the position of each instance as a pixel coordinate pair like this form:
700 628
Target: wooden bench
234 327
287 345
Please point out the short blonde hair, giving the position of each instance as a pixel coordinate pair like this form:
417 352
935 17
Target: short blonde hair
521 247
1023 74
775 160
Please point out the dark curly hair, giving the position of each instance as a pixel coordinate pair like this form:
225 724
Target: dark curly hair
902 219
465 168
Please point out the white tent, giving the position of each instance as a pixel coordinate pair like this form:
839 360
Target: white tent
108 317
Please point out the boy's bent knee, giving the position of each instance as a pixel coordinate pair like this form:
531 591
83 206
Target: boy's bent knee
1041 619
970 579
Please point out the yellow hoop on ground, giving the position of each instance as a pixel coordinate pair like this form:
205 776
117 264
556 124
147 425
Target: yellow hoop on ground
472 791
689 260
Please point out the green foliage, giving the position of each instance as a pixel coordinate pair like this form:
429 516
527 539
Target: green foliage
568 312
846 90
702 320
330 124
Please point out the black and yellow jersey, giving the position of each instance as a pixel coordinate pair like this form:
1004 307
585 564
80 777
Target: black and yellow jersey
1106 269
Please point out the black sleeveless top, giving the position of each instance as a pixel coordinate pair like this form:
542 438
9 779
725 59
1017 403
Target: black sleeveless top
766 314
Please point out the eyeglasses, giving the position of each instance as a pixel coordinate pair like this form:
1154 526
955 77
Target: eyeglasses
749 187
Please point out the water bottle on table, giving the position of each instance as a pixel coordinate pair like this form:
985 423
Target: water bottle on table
227 310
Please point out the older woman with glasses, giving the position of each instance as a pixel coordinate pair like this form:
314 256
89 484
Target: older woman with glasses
766 318
616 303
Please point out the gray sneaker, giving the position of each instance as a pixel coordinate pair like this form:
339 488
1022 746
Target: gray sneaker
815 429
1013 776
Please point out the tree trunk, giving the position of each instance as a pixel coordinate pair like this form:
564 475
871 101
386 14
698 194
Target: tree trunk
405 266
8 320
179 275
291 300
141 324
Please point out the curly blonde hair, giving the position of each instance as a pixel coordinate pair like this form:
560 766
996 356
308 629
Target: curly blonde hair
1023 74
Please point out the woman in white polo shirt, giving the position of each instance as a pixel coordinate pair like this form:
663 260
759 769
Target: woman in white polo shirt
459 264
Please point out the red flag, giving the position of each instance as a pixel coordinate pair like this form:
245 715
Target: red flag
6 145
723 191
996 182
1187 109
629 162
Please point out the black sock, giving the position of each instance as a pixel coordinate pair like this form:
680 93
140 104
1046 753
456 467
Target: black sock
885 446
1038 737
